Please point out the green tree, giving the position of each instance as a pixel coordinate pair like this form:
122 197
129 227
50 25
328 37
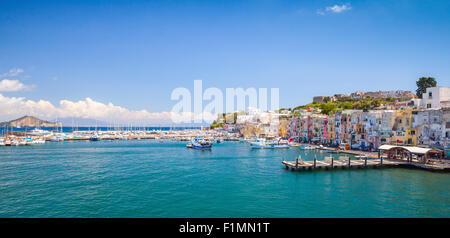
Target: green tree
347 105
328 108
376 103
423 83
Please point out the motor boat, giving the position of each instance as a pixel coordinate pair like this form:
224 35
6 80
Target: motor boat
201 143
307 147
262 143
95 137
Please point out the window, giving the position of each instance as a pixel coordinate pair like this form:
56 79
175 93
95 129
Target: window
429 105
430 95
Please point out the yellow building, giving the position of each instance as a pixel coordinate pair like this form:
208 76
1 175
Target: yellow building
403 133
411 136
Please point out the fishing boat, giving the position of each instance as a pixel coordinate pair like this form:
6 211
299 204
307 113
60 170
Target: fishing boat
39 141
201 143
307 147
56 138
295 144
95 137
39 132
281 141
29 141
275 146
262 143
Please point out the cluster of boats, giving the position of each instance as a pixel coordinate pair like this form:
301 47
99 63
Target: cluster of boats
200 142
19 142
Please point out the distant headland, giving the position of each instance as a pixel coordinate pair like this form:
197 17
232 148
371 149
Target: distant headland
30 121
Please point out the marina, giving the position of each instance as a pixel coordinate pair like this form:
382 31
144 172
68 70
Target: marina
202 139
39 136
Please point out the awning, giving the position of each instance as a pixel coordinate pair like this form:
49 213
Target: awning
412 149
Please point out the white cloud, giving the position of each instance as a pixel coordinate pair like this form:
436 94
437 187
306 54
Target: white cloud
335 9
320 12
14 107
7 85
12 72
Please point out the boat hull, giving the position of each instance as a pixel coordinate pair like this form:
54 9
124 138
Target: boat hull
199 147
257 146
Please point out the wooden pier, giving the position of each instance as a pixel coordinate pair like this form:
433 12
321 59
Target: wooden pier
396 156
341 164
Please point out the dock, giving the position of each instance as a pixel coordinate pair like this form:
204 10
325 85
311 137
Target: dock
365 163
341 164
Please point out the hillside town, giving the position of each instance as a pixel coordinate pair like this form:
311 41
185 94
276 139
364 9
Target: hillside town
393 118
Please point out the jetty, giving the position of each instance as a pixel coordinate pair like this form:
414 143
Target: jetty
341 163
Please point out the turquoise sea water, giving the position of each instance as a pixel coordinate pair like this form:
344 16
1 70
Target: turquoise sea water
164 179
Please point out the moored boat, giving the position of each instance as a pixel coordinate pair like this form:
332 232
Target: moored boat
201 143
262 143
307 147
95 137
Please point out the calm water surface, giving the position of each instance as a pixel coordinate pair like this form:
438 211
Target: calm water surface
165 179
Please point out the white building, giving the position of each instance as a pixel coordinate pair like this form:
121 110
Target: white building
446 125
429 126
435 97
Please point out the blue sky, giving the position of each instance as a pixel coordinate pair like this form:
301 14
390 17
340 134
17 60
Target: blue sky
134 54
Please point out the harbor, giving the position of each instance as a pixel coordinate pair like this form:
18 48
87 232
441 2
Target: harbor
163 178
203 138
